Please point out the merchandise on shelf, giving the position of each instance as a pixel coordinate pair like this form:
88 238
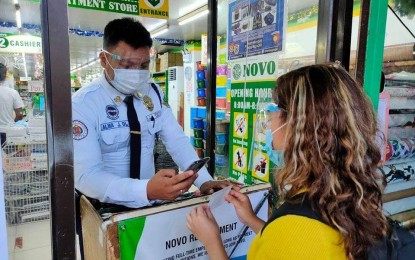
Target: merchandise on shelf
170 60
400 143
26 179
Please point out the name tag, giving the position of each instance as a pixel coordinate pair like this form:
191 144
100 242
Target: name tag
153 116
114 124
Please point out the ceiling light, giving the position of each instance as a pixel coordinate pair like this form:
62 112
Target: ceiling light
159 31
193 15
18 19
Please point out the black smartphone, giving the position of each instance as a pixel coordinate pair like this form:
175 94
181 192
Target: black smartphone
197 165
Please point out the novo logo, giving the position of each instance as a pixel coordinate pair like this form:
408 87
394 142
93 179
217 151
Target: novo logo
255 69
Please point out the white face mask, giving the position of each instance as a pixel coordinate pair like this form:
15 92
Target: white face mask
130 81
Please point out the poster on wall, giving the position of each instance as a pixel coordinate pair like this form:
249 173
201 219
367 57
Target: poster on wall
256 27
164 235
252 80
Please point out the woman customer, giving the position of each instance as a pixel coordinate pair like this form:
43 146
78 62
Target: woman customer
322 136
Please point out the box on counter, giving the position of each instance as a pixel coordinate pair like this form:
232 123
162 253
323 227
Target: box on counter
39 165
38 157
38 138
16 140
37 130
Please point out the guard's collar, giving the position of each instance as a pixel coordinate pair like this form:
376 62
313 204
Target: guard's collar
116 96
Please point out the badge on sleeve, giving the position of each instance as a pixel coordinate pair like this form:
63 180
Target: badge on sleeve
79 130
112 112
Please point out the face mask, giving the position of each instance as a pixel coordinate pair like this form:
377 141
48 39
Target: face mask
130 81
276 156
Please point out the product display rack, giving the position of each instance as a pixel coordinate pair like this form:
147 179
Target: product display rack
26 178
399 167
161 79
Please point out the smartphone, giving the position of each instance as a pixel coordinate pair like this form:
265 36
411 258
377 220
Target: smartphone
197 165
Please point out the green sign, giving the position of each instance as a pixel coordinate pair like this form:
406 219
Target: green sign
117 6
18 43
252 80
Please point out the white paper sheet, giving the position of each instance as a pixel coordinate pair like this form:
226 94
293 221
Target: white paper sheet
218 198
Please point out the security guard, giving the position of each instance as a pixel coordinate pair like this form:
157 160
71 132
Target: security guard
103 134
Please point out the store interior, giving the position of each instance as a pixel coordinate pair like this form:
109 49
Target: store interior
179 53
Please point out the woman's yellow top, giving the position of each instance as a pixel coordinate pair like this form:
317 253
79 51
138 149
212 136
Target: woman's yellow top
292 237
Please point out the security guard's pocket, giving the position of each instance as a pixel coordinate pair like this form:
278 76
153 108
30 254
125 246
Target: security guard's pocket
114 139
154 122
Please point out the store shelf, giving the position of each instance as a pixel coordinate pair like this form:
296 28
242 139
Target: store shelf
26 180
25 197
158 73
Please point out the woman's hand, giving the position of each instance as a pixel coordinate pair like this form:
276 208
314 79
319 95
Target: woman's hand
203 225
244 210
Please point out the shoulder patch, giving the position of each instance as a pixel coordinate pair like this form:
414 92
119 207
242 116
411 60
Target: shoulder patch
112 112
79 130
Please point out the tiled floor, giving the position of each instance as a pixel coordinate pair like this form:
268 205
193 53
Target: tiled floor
30 241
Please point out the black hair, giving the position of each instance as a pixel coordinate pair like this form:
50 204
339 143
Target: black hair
3 72
127 30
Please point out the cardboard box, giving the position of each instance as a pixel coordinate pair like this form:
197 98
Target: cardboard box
155 65
170 60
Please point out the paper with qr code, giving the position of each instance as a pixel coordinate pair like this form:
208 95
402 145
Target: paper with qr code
218 198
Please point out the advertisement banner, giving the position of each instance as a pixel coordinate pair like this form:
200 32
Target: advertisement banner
12 43
256 27
116 6
165 236
252 79
35 86
154 8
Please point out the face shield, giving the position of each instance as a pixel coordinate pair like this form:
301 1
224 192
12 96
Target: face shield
259 161
266 111
130 63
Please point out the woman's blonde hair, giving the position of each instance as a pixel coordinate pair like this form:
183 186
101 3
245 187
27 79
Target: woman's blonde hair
331 151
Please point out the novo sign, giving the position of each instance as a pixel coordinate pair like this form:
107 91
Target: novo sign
254 70
11 43
117 6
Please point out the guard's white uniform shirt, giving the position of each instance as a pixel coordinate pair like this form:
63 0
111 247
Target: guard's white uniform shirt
9 101
102 144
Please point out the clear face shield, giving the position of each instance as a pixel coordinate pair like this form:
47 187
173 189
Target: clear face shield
261 158
260 163
127 62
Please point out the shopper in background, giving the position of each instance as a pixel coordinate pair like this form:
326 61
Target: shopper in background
322 139
11 105
103 130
